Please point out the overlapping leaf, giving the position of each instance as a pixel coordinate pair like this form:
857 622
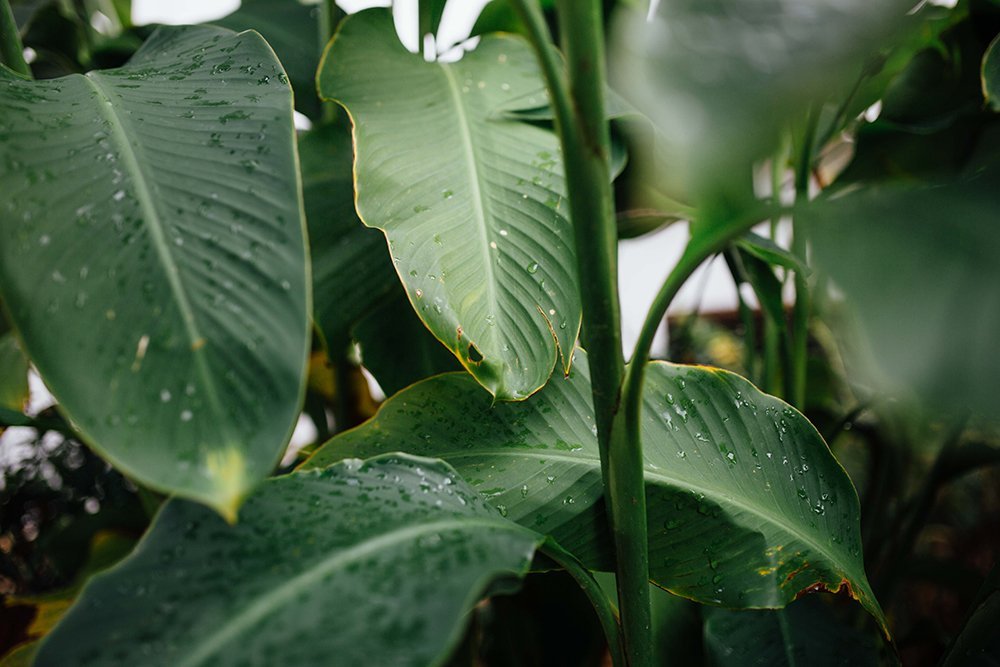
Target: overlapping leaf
374 563
472 204
747 507
154 261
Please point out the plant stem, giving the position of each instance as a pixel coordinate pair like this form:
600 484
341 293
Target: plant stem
577 97
800 315
11 48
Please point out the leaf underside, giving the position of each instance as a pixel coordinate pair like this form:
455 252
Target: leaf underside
473 205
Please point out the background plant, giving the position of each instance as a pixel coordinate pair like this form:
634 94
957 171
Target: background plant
187 273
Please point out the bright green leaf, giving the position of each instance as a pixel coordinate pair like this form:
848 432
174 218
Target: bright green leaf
373 563
746 505
155 263
473 205
13 374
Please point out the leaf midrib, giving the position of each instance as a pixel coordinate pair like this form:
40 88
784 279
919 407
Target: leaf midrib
281 595
716 495
120 131
475 181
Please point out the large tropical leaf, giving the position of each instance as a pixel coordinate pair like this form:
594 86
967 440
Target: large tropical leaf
472 204
290 27
154 261
373 563
747 507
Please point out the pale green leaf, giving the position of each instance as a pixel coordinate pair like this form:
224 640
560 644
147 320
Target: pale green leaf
473 204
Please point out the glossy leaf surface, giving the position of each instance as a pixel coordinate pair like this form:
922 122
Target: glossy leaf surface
747 507
363 563
472 204
155 211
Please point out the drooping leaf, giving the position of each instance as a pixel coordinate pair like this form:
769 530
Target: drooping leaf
290 27
472 204
363 563
721 80
991 75
804 633
154 212
352 271
918 265
13 374
747 507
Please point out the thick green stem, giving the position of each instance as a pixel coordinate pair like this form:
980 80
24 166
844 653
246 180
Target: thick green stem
577 97
800 315
11 48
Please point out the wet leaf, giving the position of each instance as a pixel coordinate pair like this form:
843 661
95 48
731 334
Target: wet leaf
289 27
747 506
153 211
473 205
392 554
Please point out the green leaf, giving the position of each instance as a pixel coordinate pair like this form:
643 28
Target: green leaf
290 27
352 271
13 374
991 75
918 266
155 265
804 633
374 563
397 348
722 80
978 644
473 205
746 505
770 252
